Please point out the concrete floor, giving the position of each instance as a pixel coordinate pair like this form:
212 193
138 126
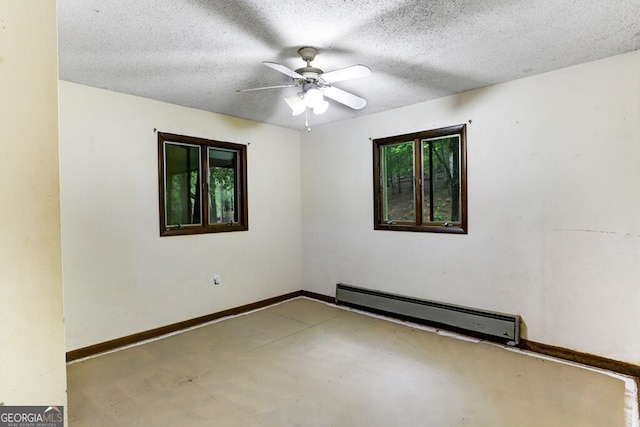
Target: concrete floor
306 363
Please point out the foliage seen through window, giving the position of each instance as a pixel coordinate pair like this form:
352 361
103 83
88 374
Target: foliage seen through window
192 202
420 181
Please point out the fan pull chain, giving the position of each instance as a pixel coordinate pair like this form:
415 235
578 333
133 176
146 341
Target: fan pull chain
306 119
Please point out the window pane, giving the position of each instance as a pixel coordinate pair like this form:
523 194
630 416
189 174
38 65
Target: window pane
441 172
426 182
182 184
223 170
430 176
397 182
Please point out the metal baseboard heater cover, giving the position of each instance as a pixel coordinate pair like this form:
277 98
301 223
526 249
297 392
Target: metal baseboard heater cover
501 327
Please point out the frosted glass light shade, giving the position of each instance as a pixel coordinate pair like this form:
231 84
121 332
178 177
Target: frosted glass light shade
313 97
321 107
296 104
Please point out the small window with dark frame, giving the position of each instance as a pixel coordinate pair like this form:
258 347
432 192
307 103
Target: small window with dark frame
193 201
420 181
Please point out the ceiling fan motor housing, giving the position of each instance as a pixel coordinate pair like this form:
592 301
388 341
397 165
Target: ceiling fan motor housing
308 54
309 72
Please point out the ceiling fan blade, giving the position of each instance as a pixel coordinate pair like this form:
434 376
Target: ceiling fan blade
265 87
353 72
284 70
343 97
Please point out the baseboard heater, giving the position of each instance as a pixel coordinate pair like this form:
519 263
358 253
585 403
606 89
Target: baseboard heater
499 327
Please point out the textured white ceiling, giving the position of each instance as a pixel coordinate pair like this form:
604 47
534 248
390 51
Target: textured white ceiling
197 52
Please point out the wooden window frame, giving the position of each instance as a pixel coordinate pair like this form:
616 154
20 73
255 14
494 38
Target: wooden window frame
418 224
242 223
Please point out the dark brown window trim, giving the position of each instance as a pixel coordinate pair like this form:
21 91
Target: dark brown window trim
418 225
243 215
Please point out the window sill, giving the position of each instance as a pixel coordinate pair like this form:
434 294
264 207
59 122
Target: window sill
450 229
186 230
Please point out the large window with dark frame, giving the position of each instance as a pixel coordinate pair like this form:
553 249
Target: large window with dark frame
203 185
420 181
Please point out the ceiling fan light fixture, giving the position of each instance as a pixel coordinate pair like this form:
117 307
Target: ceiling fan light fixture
296 104
313 98
321 107
314 86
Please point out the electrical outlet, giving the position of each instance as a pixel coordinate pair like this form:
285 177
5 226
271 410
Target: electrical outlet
216 279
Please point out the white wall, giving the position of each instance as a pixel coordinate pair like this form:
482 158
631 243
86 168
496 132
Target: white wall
553 202
554 221
32 360
120 277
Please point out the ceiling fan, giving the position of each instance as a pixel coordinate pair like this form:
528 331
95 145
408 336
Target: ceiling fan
315 84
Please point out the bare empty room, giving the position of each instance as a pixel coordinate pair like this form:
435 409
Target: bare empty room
185 185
